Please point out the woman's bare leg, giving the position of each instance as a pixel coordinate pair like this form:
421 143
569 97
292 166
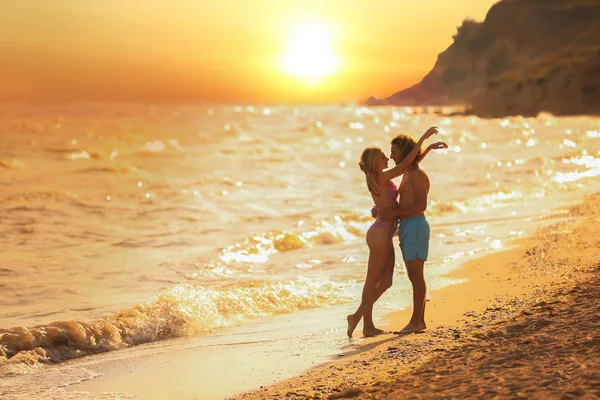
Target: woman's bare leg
384 284
378 242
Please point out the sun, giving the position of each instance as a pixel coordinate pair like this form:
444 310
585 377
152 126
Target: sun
310 53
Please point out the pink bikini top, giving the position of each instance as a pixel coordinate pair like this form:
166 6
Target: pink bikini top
392 191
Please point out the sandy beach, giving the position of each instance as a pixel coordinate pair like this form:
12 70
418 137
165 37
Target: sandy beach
524 325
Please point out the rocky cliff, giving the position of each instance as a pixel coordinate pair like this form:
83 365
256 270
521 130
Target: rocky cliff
527 56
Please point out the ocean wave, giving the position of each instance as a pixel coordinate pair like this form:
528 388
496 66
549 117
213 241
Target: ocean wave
483 202
34 196
61 150
7 272
258 248
89 207
180 311
443 208
73 153
169 209
119 169
12 164
154 148
27 208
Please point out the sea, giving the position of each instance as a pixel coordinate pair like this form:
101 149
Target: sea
125 225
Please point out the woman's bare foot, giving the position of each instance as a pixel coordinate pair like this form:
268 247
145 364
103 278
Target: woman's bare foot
411 328
372 332
352 322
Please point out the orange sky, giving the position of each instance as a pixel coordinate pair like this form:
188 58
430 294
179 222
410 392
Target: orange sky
218 50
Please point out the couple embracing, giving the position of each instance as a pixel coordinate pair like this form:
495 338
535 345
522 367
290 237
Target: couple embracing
405 214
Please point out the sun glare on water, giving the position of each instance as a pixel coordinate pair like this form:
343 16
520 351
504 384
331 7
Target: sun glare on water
310 53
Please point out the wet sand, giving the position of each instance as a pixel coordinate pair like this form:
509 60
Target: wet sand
526 324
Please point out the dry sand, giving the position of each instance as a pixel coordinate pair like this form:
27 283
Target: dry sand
526 324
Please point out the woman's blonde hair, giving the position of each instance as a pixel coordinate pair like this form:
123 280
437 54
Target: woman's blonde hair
367 165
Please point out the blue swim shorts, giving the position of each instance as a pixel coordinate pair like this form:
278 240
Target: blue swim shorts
414 238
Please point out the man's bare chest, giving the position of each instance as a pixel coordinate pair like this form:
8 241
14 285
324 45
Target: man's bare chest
406 186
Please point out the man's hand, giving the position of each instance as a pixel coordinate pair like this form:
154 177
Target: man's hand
438 146
387 214
374 212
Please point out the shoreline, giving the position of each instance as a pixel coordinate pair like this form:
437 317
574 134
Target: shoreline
467 350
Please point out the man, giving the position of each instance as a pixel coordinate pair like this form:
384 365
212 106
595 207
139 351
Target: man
413 228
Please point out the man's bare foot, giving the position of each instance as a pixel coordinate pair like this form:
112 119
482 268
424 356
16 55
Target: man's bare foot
411 328
373 332
352 322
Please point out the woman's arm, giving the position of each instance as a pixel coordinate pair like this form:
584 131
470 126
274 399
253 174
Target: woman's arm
408 160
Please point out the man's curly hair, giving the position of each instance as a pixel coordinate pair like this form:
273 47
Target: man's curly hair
406 143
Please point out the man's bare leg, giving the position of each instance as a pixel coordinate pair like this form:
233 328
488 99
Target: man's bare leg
384 284
414 269
423 324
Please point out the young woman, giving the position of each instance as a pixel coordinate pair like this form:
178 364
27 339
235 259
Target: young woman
374 163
